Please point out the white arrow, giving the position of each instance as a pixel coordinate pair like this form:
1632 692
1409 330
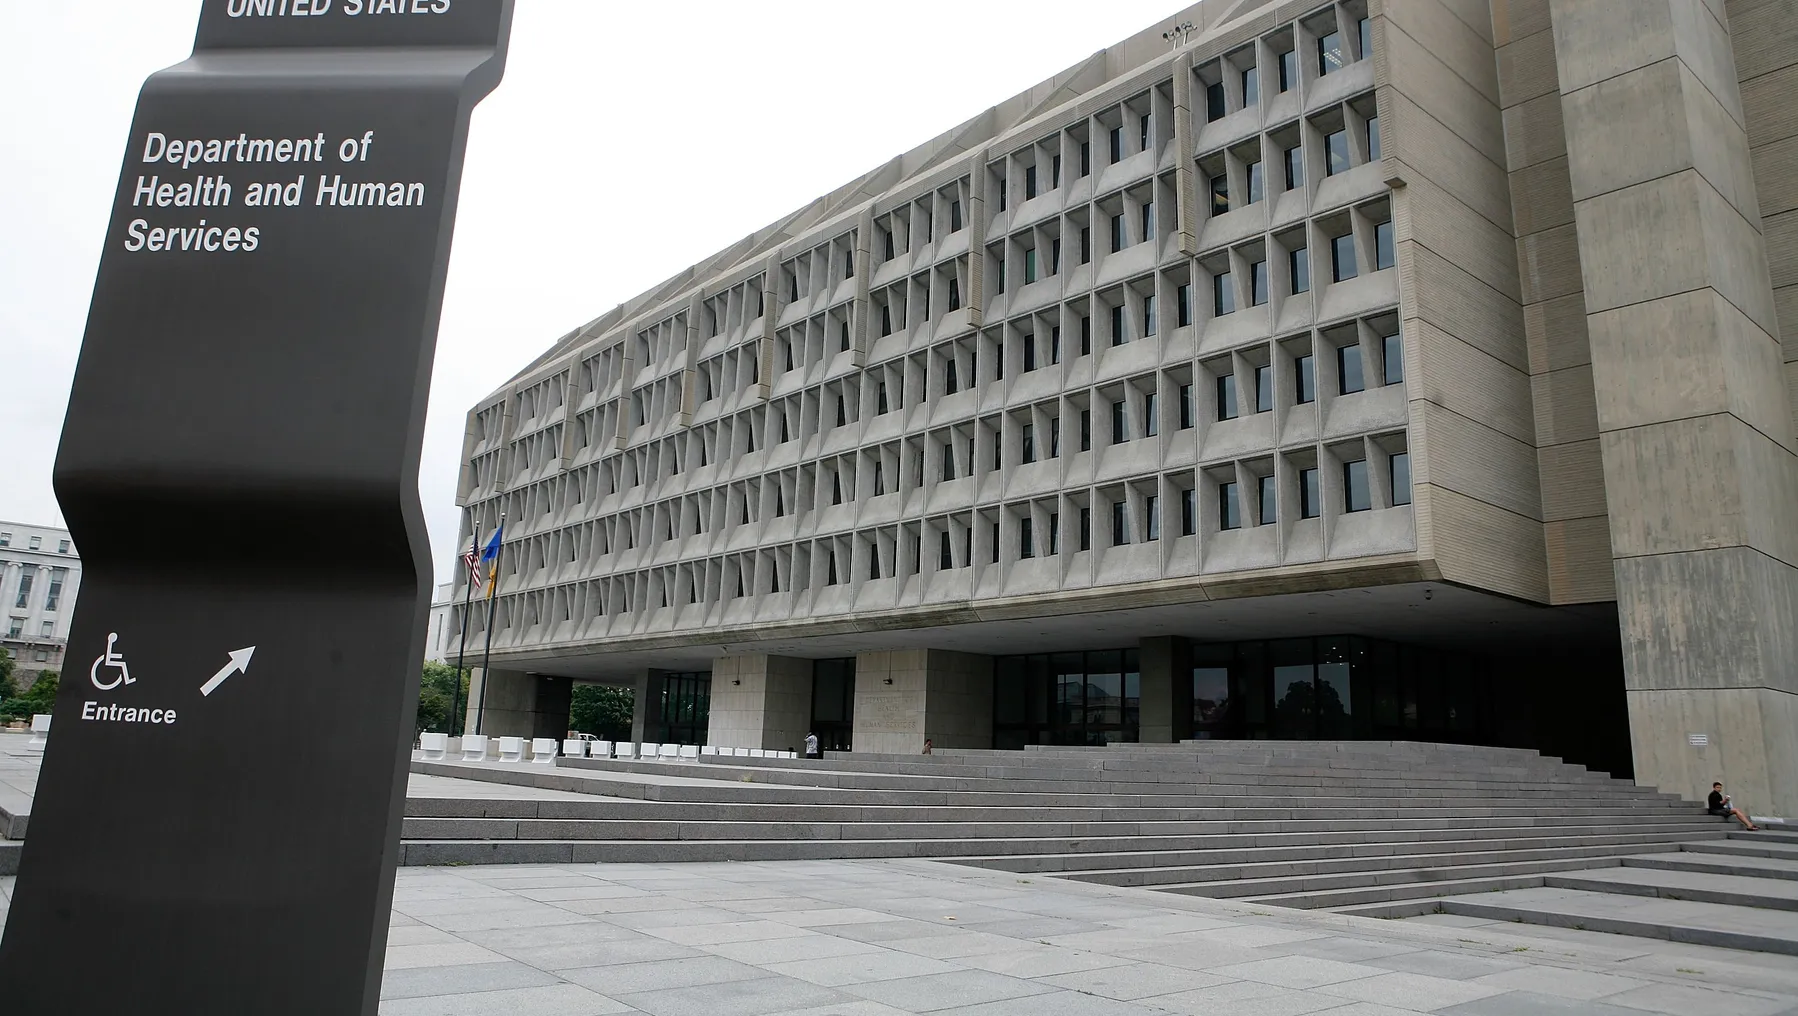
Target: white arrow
240 662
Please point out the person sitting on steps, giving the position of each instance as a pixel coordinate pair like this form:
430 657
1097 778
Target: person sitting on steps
1719 804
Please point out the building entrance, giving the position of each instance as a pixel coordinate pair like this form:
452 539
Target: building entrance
833 703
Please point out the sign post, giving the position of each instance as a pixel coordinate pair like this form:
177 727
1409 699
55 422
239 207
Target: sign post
217 820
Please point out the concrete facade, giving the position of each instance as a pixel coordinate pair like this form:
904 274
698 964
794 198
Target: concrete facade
40 575
1449 322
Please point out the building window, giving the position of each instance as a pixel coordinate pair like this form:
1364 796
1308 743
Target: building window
1220 194
26 577
15 628
830 578
995 557
1392 358
945 559
1229 506
1295 167
1268 506
1336 153
1401 478
1189 512
1001 194
53 595
1214 102
1148 220
1258 283
1186 407
1055 256
1382 246
37 543
1117 145
1086 430
1117 233
1120 523
1305 379
948 460
5 539
1298 262
1348 369
1054 533
1251 88
955 216
1026 539
1118 335
1183 296
1257 186
42 656
1120 423
1086 335
62 546
842 412
1152 510
886 320
1086 244
1055 344
950 384
1342 257
1223 294
1055 171
1264 389
1086 529
1226 397
881 408
1027 442
880 483
1365 26
1086 158
1373 138
1029 353
1355 495
1001 275
1330 57
49 629
1142 131
1055 437
1151 426
1148 315
1310 503
1029 182
1289 70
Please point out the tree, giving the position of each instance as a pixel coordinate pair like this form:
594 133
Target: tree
602 710
7 688
439 697
39 698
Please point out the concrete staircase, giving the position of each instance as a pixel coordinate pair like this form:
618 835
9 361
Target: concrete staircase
1297 824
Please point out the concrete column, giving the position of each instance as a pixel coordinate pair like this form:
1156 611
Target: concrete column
1165 663
760 701
646 703
933 694
1695 432
518 704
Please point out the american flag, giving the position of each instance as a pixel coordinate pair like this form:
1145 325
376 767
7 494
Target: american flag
473 560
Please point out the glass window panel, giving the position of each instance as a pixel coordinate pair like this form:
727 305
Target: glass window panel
1257 186
1342 257
1336 153
1226 397
1258 283
1223 294
1299 261
1305 379
1310 498
1330 56
1401 478
1392 358
1229 506
1355 494
1251 87
1264 389
1348 369
1382 246
1289 70
1269 501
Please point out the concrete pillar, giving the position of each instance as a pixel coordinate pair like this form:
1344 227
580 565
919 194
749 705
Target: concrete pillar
1695 431
1165 715
934 694
518 704
760 701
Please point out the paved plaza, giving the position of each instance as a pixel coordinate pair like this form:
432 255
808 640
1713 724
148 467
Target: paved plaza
869 938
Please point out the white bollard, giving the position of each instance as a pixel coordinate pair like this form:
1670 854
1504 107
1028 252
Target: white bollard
40 732
433 746
543 751
511 749
574 747
474 747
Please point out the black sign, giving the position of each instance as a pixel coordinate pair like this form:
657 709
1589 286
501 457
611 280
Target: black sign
217 821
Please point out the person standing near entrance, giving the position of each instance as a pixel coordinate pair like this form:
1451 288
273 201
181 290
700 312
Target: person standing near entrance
811 746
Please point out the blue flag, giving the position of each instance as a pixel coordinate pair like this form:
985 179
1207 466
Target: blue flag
491 551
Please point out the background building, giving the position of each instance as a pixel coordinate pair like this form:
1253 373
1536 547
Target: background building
442 637
40 574
1347 369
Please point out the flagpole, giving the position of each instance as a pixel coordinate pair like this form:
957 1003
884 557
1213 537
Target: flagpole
474 538
492 609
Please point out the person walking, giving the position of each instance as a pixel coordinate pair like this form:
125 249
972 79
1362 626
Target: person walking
1719 804
811 746
928 746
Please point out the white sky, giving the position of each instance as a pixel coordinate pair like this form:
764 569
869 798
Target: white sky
626 142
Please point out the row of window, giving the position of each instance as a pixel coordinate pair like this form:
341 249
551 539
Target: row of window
16 629
34 543
1332 55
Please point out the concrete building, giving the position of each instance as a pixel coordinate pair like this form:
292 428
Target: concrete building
40 573
442 636
1347 369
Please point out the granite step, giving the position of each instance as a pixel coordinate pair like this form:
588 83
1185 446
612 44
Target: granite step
1703 863
1733 889
1697 923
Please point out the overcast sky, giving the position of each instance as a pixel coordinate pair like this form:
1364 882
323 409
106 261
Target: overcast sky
627 141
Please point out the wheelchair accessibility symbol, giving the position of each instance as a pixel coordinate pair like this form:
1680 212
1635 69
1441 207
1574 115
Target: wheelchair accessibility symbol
111 661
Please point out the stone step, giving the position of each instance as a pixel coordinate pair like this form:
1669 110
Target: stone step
1148 843
1409 899
1696 923
1739 848
1734 890
9 856
1777 837
1030 766
1687 860
1250 873
608 808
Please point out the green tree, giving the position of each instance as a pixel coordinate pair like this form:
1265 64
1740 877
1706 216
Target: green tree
7 688
439 696
602 710
39 698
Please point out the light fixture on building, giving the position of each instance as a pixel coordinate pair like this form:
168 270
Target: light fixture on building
1176 36
887 681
